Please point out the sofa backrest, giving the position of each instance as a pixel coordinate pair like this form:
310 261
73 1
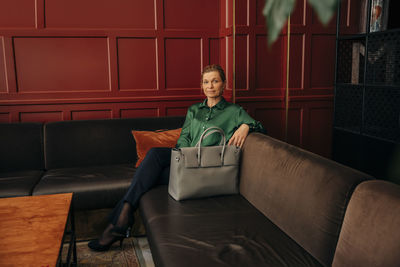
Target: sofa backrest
21 146
370 234
304 194
98 142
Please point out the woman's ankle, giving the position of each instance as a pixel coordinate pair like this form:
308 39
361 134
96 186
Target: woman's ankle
125 218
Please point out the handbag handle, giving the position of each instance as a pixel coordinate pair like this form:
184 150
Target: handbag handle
205 134
212 130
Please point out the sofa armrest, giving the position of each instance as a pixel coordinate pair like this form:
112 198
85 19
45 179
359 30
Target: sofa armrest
370 233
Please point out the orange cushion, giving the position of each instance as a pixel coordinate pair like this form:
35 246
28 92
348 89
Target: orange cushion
148 139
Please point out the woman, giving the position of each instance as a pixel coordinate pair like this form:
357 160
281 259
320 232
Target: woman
154 169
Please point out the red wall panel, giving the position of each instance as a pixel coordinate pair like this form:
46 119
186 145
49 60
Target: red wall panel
260 20
183 14
137 63
229 61
295 124
79 111
298 17
323 61
91 114
310 125
215 51
269 61
273 121
319 136
61 64
183 63
46 116
297 60
177 111
241 14
100 14
3 82
139 112
241 73
17 14
270 111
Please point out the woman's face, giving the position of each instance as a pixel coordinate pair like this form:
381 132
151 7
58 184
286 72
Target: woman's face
212 85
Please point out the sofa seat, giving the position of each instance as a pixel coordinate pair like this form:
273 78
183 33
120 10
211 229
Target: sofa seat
217 231
88 184
18 183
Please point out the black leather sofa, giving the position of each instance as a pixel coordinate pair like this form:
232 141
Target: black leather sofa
92 158
21 158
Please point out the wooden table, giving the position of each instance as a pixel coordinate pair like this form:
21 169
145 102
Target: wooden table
32 229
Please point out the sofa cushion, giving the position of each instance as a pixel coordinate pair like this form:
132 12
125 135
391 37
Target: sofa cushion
370 234
21 146
18 183
98 142
304 194
145 140
93 187
216 231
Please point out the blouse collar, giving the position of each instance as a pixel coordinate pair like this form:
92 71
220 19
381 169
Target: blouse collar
220 105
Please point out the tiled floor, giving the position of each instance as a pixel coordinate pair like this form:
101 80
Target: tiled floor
143 252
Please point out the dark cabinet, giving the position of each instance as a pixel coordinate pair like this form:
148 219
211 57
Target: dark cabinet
366 133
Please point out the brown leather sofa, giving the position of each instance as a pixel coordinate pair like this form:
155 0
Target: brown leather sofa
92 158
295 208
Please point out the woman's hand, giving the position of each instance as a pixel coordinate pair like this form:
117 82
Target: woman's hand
239 135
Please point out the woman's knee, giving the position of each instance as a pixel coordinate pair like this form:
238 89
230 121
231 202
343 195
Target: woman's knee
154 151
158 153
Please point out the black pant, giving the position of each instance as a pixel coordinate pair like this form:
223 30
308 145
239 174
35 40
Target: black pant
153 170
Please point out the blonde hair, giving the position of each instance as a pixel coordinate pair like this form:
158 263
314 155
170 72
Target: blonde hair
214 67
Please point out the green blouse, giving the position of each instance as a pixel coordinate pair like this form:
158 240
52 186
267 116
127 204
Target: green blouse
225 115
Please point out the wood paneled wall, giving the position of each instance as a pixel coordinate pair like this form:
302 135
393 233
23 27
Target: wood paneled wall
70 60
261 75
73 60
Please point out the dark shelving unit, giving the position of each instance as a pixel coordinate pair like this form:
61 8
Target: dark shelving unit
366 133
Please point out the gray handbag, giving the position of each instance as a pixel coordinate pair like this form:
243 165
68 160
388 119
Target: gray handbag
204 171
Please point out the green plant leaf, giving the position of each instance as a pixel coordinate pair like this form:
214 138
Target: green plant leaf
276 13
324 9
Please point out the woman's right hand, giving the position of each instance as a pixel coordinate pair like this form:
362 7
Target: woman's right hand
239 136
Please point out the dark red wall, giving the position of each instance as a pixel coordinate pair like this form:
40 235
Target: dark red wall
261 75
72 60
